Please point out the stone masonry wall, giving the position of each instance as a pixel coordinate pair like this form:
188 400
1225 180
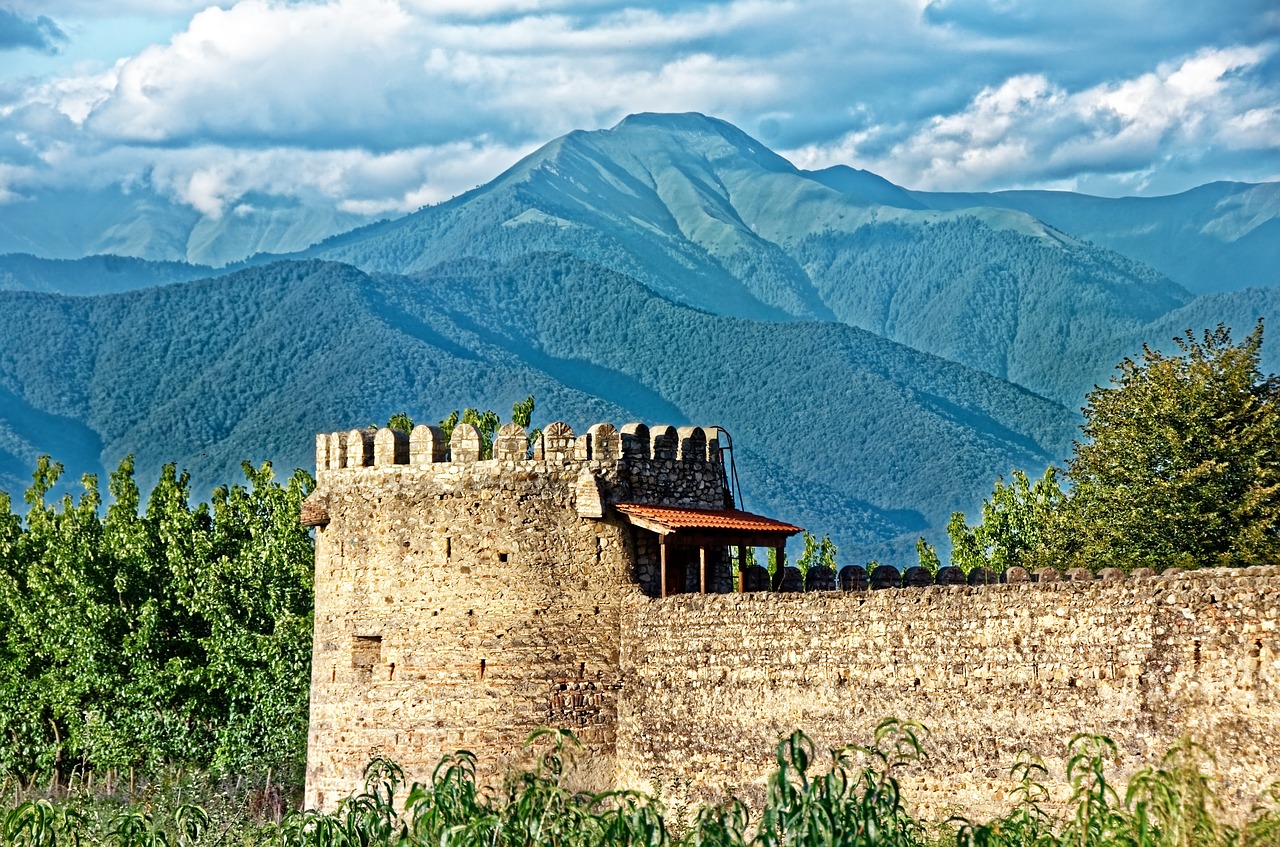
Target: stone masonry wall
462 603
710 683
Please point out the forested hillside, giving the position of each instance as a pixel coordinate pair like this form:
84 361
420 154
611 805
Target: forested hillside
1219 237
703 214
102 274
880 355
1049 315
837 428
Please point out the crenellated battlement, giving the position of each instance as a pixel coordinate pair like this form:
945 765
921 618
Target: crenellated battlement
556 444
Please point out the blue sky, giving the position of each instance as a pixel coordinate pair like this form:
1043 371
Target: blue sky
381 106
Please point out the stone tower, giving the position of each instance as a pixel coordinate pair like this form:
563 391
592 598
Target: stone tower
463 602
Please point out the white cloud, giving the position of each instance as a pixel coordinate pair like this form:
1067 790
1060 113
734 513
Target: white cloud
352 180
598 90
259 68
374 73
382 105
623 31
97 8
74 97
215 179
1033 130
1254 129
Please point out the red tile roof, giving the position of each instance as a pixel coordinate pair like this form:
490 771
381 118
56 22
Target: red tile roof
673 518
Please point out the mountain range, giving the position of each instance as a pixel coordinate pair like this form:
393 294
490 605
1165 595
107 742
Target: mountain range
879 355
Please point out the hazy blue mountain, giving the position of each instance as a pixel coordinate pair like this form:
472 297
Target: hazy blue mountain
649 198
690 205
93 274
839 429
880 355
865 187
703 214
1045 314
1219 237
1239 310
73 223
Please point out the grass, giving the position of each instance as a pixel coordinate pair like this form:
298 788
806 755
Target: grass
853 800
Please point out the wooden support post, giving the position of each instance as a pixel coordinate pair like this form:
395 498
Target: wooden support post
702 568
662 564
742 568
779 556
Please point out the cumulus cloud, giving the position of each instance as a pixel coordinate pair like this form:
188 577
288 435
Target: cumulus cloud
36 33
375 73
115 8
1043 133
379 106
263 69
214 180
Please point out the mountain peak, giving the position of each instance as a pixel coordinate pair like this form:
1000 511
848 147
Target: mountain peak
703 135
682 121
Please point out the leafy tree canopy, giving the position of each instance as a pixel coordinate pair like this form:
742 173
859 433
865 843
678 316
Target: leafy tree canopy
1181 462
817 553
1179 467
400 421
487 422
158 632
1021 526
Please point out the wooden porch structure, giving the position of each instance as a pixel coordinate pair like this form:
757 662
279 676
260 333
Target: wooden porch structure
678 526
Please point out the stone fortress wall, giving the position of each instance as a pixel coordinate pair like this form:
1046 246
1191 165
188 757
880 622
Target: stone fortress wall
712 682
462 603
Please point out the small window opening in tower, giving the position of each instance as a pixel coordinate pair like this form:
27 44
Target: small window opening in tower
502 557
482 664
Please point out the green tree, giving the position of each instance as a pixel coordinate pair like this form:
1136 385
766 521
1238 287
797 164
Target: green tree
927 556
448 423
522 412
771 560
158 633
400 421
817 552
1022 525
487 422
1181 462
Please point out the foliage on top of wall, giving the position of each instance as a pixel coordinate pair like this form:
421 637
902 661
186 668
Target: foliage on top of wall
486 423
